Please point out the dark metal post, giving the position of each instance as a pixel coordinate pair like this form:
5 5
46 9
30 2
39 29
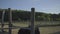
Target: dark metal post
10 20
32 20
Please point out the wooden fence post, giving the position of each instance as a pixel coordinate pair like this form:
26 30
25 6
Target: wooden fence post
10 20
2 22
32 20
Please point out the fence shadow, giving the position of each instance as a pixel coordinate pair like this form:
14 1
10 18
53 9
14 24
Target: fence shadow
3 32
56 32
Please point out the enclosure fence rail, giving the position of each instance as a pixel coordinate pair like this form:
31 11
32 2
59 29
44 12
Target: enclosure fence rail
32 29
10 21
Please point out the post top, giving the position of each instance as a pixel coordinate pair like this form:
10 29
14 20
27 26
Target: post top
9 8
32 8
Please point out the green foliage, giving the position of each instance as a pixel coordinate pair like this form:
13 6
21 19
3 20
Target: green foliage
20 15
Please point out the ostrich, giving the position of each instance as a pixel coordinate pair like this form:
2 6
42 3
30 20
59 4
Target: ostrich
28 31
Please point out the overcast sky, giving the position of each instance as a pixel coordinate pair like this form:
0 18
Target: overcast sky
47 6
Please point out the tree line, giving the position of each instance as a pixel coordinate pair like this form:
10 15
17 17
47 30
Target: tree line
21 15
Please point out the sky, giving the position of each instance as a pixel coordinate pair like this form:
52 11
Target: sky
46 6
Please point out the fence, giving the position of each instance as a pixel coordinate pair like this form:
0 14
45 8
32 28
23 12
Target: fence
14 27
10 21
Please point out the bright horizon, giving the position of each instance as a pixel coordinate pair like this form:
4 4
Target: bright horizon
46 6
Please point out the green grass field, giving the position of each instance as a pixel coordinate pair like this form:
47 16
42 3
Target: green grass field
43 30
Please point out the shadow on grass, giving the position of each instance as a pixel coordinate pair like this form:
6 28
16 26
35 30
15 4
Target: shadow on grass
55 33
3 32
